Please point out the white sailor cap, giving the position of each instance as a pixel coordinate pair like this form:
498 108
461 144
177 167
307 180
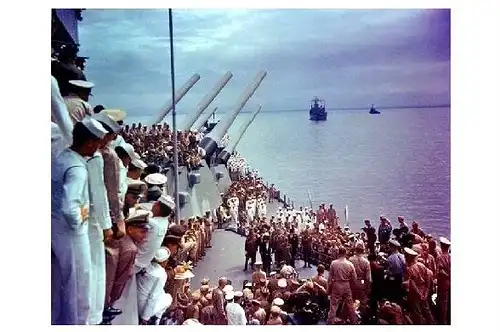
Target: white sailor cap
94 127
444 240
162 254
191 321
272 273
229 296
282 283
115 114
137 162
135 186
129 149
248 284
275 309
82 84
278 302
410 252
109 121
157 179
228 289
139 218
238 294
168 201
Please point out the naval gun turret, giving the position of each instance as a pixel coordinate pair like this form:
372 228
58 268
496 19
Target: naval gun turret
210 142
179 94
198 189
203 104
221 171
223 157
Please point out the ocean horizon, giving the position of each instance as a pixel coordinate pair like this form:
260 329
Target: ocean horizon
395 163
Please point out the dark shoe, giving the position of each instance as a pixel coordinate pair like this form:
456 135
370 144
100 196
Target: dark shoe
110 311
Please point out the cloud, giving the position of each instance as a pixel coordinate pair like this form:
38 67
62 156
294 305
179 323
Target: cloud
351 58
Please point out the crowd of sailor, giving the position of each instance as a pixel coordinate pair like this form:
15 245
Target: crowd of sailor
237 166
116 256
397 275
156 145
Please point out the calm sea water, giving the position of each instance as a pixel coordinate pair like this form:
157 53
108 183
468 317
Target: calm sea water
396 163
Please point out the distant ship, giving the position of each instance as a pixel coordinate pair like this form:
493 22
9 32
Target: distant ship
210 124
373 110
317 111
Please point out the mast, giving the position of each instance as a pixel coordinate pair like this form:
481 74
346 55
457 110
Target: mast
174 123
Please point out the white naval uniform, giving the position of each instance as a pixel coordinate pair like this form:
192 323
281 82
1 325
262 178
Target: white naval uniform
147 249
117 142
128 302
99 220
151 296
62 126
235 314
262 208
251 209
123 187
70 240
234 205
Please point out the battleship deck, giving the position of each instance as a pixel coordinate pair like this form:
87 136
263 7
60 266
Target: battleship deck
227 257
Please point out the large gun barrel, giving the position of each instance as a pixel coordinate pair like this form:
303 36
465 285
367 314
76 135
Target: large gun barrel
210 141
223 157
179 94
203 104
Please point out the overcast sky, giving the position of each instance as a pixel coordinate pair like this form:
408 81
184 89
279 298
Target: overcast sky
351 58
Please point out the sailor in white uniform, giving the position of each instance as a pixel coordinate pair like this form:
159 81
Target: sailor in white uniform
62 126
77 101
235 312
137 230
262 208
251 209
233 204
151 297
99 221
159 224
118 116
71 261
126 154
156 179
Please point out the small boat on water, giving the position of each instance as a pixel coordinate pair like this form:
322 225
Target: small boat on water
317 111
210 124
373 110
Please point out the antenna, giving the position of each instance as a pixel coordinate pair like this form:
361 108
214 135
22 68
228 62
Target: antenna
174 123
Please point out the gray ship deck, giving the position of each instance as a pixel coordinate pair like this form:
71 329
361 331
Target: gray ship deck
227 257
